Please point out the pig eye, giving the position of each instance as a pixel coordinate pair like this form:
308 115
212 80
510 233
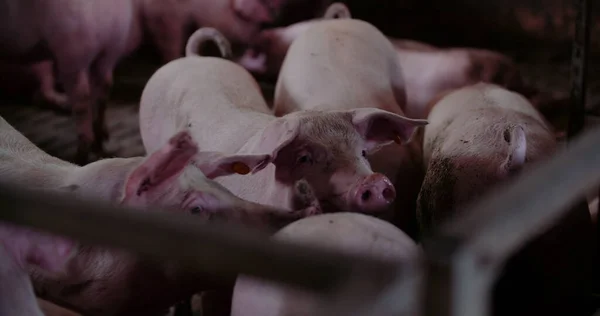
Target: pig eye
364 153
304 159
196 210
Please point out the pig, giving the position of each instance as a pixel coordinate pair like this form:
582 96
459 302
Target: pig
265 56
100 281
21 247
347 64
481 136
35 79
85 40
221 105
427 70
238 20
349 233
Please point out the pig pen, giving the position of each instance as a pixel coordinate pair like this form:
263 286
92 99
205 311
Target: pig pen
445 257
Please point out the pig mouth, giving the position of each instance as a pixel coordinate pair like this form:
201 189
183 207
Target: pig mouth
336 203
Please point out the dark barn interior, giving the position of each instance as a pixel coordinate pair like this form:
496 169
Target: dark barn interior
536 34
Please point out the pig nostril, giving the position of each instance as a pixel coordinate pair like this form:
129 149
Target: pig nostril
388 194
366 195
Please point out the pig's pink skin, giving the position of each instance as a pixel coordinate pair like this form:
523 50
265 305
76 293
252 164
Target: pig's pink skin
85 40
348 64
427 70
101 281
222 106
478 137
30 247
375 192
21 247
16 292
238 20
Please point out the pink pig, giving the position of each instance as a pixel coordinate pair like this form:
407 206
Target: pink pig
21 247
427 70
85 40
222 106
348 64
102 281
239 20
479 137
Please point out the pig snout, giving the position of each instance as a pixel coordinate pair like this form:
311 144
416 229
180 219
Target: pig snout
374 193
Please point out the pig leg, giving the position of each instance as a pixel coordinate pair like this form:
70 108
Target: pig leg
77 85
102 81
167 32
44 73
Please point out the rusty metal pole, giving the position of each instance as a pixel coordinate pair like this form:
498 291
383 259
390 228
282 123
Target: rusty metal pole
579 61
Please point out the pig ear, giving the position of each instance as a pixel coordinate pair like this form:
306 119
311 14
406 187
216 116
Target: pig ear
161 166
517 148
53 253
31 247
379 127
276 136
215 164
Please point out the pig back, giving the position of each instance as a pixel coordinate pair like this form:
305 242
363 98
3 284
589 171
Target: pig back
217 100
23 162
480 108
342 63
349 233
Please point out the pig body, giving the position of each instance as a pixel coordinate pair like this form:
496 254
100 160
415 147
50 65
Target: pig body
348 233
427 70
478 137
349 64
239 21
85 40
221 104
101 281
21 247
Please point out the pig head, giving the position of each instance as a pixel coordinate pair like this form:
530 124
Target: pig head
471 154
471 159
179 177
329 149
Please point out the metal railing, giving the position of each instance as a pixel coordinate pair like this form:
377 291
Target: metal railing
513 211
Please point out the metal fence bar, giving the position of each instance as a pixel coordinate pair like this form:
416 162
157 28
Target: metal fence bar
463 259
493 229
579 61
223 250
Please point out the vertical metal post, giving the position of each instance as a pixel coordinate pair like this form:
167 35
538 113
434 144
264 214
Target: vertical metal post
581 44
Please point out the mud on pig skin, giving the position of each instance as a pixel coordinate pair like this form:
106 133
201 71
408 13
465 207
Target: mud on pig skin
479 137
347 64
99 280
349 233
222 106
